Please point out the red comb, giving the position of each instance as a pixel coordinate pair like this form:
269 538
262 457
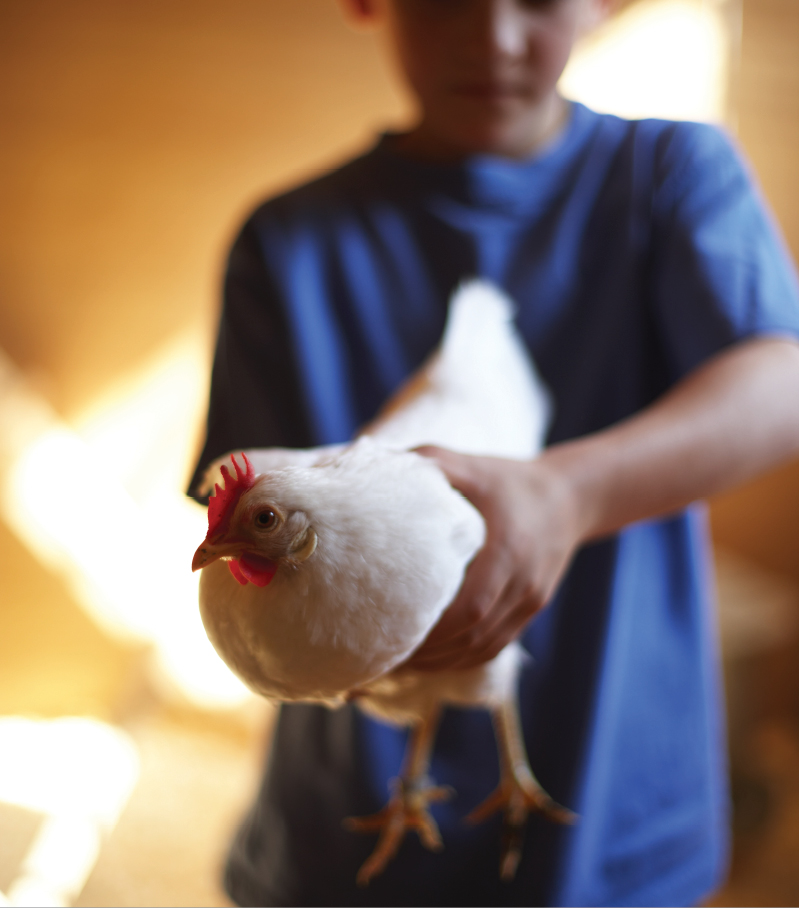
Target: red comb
222 504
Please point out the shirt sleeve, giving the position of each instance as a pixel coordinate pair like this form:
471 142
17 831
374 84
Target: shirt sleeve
254 399
722 271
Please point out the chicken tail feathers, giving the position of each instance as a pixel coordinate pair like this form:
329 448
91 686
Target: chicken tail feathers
481 341
477 307
479 392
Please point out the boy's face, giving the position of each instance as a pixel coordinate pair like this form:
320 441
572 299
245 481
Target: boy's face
484 71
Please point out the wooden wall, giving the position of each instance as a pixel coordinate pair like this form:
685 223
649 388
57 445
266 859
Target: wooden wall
762 519
135 137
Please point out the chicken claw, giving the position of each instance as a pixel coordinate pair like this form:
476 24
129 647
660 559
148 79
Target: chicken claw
407 809
518 794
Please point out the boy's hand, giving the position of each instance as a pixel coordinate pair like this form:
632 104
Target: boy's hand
733 417
532 533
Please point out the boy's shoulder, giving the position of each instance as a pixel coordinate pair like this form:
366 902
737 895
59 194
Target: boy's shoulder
671 145
677 162
686 154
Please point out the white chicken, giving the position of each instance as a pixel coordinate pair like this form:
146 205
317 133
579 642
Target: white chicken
324 569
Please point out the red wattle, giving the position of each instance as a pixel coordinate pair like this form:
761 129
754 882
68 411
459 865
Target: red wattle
236 571
257 570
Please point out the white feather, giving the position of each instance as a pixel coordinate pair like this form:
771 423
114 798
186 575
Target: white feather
394 539
371 591
478 393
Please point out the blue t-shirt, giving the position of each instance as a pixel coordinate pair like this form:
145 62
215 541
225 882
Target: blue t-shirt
635 251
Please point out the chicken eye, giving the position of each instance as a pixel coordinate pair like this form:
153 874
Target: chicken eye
265 519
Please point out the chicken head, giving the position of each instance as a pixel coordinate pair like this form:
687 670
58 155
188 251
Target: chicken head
251 531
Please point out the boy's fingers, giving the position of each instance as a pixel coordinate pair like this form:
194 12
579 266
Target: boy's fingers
485 640
512 609
496 640
495 601
482 587
456 467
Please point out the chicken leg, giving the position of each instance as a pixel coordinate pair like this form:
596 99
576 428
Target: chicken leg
407 808
518 793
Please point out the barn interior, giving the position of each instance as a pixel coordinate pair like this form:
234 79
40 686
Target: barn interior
136 137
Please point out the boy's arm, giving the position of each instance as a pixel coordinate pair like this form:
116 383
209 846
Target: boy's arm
732 418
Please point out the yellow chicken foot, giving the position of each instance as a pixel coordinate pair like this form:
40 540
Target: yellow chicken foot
518 793
407 807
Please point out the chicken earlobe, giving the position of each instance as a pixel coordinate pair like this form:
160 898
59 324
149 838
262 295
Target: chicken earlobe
305 546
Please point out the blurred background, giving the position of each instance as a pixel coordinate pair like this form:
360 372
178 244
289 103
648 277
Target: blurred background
136 136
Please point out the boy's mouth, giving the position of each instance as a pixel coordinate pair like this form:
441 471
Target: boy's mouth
490 90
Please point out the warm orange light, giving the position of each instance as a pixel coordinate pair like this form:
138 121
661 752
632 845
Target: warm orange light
100 502
78 773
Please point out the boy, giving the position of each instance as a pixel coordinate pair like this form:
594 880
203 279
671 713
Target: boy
661 311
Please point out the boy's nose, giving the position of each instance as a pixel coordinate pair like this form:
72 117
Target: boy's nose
501 26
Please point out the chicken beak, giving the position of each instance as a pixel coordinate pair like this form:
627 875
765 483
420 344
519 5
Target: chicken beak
207 553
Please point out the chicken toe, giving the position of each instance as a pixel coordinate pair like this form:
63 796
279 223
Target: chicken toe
518 794
407 809
408 806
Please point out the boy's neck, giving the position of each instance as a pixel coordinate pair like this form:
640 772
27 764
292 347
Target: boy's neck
426 142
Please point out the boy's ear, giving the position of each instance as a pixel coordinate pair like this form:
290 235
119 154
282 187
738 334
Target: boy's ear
361 13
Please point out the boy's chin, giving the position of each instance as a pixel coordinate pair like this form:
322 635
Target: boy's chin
501 144
507 141
506 130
